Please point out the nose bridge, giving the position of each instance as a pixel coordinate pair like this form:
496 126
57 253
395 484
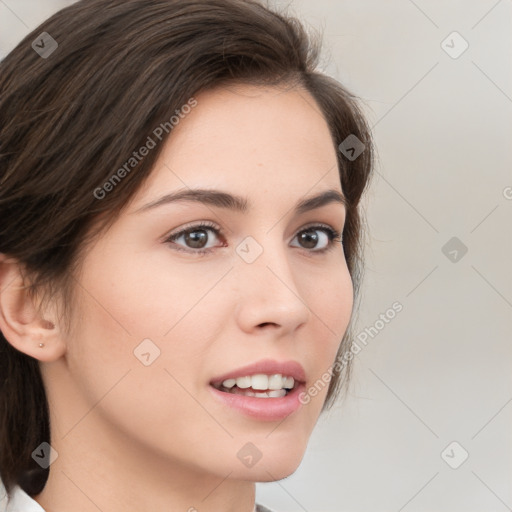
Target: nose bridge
268 289
264 257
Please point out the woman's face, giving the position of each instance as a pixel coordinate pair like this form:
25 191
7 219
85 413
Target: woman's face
160 321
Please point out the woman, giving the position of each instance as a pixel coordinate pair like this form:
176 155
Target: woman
175 182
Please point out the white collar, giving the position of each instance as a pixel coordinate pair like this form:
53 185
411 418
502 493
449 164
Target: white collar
20 502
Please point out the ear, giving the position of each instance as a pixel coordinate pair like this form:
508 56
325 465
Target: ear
20 322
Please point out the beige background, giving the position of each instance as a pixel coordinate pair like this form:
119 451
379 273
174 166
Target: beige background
440 371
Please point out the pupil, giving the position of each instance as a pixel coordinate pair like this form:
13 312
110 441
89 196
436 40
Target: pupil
310 237
197 241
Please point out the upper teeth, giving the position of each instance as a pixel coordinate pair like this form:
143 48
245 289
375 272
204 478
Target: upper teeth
261 381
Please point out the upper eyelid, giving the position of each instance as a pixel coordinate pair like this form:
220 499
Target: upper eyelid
193 226
213 226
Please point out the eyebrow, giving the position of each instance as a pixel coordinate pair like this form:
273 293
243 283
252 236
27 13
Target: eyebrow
221 199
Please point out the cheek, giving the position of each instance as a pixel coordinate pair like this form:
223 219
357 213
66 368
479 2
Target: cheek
331 305
331 302
337 300
134 311
146 402
131 293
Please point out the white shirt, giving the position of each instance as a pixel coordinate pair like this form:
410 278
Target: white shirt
21 502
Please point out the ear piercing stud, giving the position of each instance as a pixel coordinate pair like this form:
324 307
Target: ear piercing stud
50 325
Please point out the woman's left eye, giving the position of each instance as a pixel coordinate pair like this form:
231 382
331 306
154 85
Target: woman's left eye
196 238
310 237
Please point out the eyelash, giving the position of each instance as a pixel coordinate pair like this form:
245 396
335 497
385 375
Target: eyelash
334 236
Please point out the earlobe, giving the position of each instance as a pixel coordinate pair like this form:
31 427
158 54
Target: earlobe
21 323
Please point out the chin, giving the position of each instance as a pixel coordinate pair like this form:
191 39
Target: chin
274 465
271 472
279 472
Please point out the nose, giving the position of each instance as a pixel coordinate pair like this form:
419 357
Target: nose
270 292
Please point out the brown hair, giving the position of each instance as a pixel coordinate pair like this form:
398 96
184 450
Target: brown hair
73 116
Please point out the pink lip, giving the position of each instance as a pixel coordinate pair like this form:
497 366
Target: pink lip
268 367
266 409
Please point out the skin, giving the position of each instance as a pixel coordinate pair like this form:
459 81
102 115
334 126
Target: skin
128 436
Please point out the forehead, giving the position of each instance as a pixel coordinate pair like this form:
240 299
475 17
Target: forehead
251 140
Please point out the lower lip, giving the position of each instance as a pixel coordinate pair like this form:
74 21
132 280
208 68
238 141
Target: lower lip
266 409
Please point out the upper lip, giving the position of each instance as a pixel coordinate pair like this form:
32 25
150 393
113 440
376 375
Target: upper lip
267 367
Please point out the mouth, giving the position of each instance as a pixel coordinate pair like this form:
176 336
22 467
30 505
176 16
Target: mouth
267 390
258 385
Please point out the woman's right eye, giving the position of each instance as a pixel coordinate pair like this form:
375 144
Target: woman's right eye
195 238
